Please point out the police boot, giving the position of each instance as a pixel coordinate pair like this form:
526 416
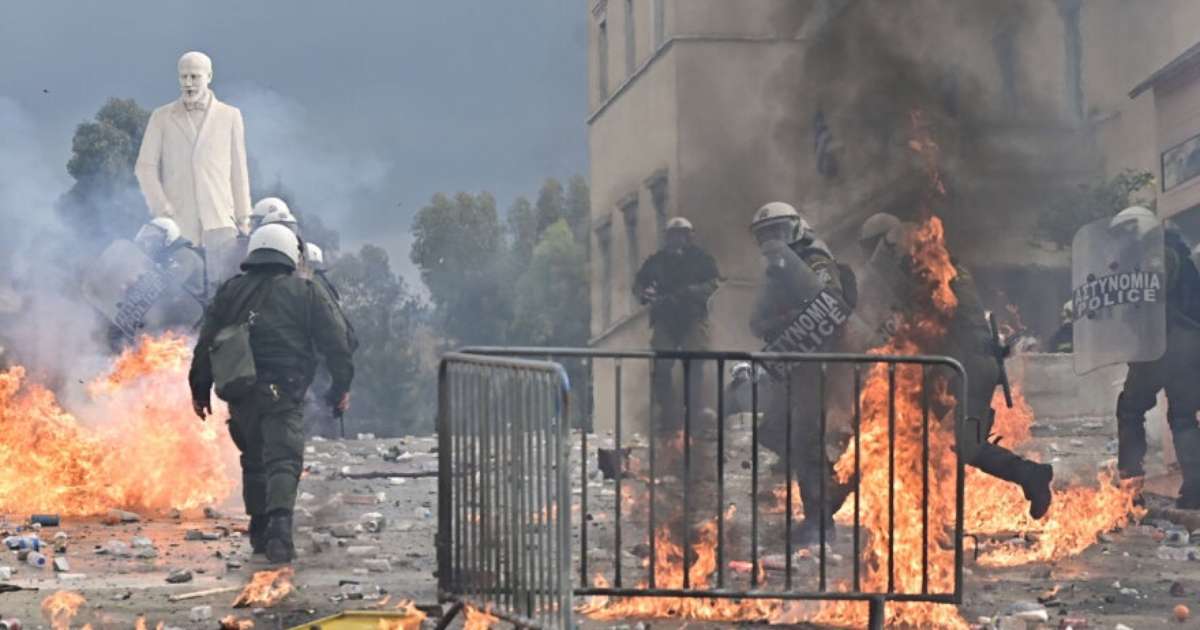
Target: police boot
280 549
1131 443
258 533
1034 478
1187 451
808 532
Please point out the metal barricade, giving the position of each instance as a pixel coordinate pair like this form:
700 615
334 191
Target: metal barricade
504 501
912 377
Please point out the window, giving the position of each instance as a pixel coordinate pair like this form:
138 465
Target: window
658 196
1073 40
630 39
604 244
633 254
660 22
602 58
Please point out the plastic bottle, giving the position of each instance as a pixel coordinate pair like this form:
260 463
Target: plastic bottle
36 559
17 543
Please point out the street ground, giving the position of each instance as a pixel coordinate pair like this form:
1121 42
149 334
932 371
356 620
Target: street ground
1131 577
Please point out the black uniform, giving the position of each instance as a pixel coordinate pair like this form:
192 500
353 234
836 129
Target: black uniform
321 419
683 281
293 321
968 339
1178 372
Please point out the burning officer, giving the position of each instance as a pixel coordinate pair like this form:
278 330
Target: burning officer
968 338
677 282
1177 370
804 307
281 321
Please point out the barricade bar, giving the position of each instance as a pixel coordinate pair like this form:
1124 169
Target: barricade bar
690 458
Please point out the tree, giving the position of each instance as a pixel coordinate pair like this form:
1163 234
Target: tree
551 305
458 245
1090 201
392 384
579 209
522 233
550 204
105 202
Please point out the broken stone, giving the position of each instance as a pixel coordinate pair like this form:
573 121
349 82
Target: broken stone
366 436
1121 626
1106 538
351 590
122 596
210 536
1029 612
174 514
140 542
179 576
115 548
71 577
362 550
233 564
211 512
342 530
373 522
1177 590
378 565
193 534
124 517
360 499
146 553
306 496
200 613
61 565
6 573
1172 553
1130 592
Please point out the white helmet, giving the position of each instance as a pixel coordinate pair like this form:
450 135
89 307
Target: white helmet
1136 220
281 215
267 205
158 234
314 256
273 244
781 220
679 223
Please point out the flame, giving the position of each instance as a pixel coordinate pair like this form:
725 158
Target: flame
479 619
231 622
410 619
266 588
140 623
60 608
149 452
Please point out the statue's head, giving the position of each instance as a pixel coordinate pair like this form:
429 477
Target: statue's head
195 73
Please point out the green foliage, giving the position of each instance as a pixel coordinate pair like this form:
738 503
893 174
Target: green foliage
1093 200
393 389
105 203
551 305
522 232
460 250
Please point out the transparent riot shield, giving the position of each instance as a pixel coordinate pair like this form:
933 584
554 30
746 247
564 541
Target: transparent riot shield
1118 281
795 310
124 284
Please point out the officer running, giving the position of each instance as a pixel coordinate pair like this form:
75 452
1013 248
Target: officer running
776 310
968 338
291 320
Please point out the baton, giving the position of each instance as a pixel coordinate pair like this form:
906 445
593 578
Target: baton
1000 352
341 418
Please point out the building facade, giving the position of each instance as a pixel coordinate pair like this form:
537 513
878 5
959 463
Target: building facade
709 108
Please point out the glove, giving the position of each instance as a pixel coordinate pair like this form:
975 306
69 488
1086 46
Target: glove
202 407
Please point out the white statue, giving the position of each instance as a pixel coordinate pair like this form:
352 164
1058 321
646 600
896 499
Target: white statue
192 165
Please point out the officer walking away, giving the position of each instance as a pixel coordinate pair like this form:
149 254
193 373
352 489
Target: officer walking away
677 282
290 320
1177 371
322 422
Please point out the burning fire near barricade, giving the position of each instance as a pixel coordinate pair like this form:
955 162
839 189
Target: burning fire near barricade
830 314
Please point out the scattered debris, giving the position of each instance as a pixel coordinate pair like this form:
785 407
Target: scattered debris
200 613
193 534
61 565
378 565
373 522
179 576
205 593
1177 589
212 513
266 588
6 573
121 516
116 549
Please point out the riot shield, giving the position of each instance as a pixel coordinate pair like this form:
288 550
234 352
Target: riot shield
795 311
124 284
1118 281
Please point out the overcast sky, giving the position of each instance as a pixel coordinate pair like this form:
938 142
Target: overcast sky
364 109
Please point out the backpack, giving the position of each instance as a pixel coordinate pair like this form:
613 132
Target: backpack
232 358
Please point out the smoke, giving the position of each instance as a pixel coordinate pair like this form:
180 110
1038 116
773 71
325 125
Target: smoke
44 324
